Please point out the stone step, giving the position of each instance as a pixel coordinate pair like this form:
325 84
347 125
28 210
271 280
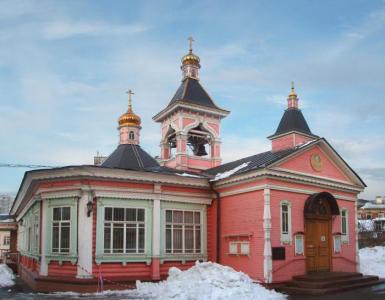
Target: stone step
293 290
328 283
327 276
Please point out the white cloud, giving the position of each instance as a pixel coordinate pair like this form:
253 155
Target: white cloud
61 30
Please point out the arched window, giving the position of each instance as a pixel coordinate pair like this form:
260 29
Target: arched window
131 135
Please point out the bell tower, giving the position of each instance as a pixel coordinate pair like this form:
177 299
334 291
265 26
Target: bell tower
190 123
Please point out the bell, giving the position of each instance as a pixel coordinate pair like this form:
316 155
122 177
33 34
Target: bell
201 150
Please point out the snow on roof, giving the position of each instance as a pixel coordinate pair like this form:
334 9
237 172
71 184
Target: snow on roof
188 175
230 172
370 205
365 225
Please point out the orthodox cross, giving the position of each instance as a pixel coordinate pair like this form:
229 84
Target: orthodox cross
191 40
130 93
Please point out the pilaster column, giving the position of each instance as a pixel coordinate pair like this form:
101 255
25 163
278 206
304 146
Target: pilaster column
356 236
267 262
43 251
156 234
85 237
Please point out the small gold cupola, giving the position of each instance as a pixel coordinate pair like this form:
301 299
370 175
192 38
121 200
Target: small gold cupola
129 125
190 63
129 118
292 99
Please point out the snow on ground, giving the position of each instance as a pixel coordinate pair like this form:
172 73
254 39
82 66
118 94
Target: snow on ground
6 276
206 281
230 172
372 261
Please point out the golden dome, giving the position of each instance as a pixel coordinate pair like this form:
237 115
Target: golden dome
129 118
292 94
190 58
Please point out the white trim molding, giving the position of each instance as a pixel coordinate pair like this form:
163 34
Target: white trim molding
285 237
345 235
267 261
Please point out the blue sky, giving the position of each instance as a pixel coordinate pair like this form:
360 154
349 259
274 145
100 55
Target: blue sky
65 67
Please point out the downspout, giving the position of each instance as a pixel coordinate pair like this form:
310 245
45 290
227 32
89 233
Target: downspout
218 228
77 232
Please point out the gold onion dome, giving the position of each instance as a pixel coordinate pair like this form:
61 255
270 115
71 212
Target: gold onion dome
190 57
293 94
129 118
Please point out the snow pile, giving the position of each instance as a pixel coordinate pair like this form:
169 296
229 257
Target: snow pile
230 172
365 225
188 175
206 281
372 261
6 276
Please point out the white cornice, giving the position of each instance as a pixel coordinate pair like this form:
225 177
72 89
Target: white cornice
202 109
81 172
288 176
279 188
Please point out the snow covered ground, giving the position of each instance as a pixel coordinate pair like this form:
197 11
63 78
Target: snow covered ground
206 281
372 261
6 276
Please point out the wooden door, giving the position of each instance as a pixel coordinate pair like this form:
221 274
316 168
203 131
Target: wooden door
317 238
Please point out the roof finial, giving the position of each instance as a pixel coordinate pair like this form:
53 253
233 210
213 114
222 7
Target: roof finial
292 86
130 93
191 40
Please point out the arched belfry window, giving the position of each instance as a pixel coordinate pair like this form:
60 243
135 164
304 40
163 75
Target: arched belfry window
131 135
199 141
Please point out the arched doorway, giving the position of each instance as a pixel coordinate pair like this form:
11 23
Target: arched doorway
318 211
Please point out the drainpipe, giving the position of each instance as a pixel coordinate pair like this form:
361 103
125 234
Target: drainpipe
218 237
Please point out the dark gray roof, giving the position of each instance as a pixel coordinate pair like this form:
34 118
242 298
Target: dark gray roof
191 91
130 157
293 120
256 161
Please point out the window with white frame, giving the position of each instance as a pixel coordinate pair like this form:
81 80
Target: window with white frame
233 248
7 240
131 135
299 244
285 221
124 230
344 225
337 243
61 226
245 248
183 231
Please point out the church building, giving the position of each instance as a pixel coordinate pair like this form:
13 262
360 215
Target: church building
273 215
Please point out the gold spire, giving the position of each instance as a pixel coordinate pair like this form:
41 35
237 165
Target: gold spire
129 118
293 93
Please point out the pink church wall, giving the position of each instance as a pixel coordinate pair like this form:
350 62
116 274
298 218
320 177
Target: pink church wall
301 163
242 214
288 141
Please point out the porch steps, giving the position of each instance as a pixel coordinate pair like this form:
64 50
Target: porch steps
328 283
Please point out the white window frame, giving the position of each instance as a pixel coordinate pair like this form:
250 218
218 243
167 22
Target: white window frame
285 236
125 225
345 235
7 240
60 226
131 135
242 250
299 244
233 248
337 243
380 215
166 251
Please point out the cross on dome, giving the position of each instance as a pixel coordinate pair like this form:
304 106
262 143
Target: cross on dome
191 40
130 93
